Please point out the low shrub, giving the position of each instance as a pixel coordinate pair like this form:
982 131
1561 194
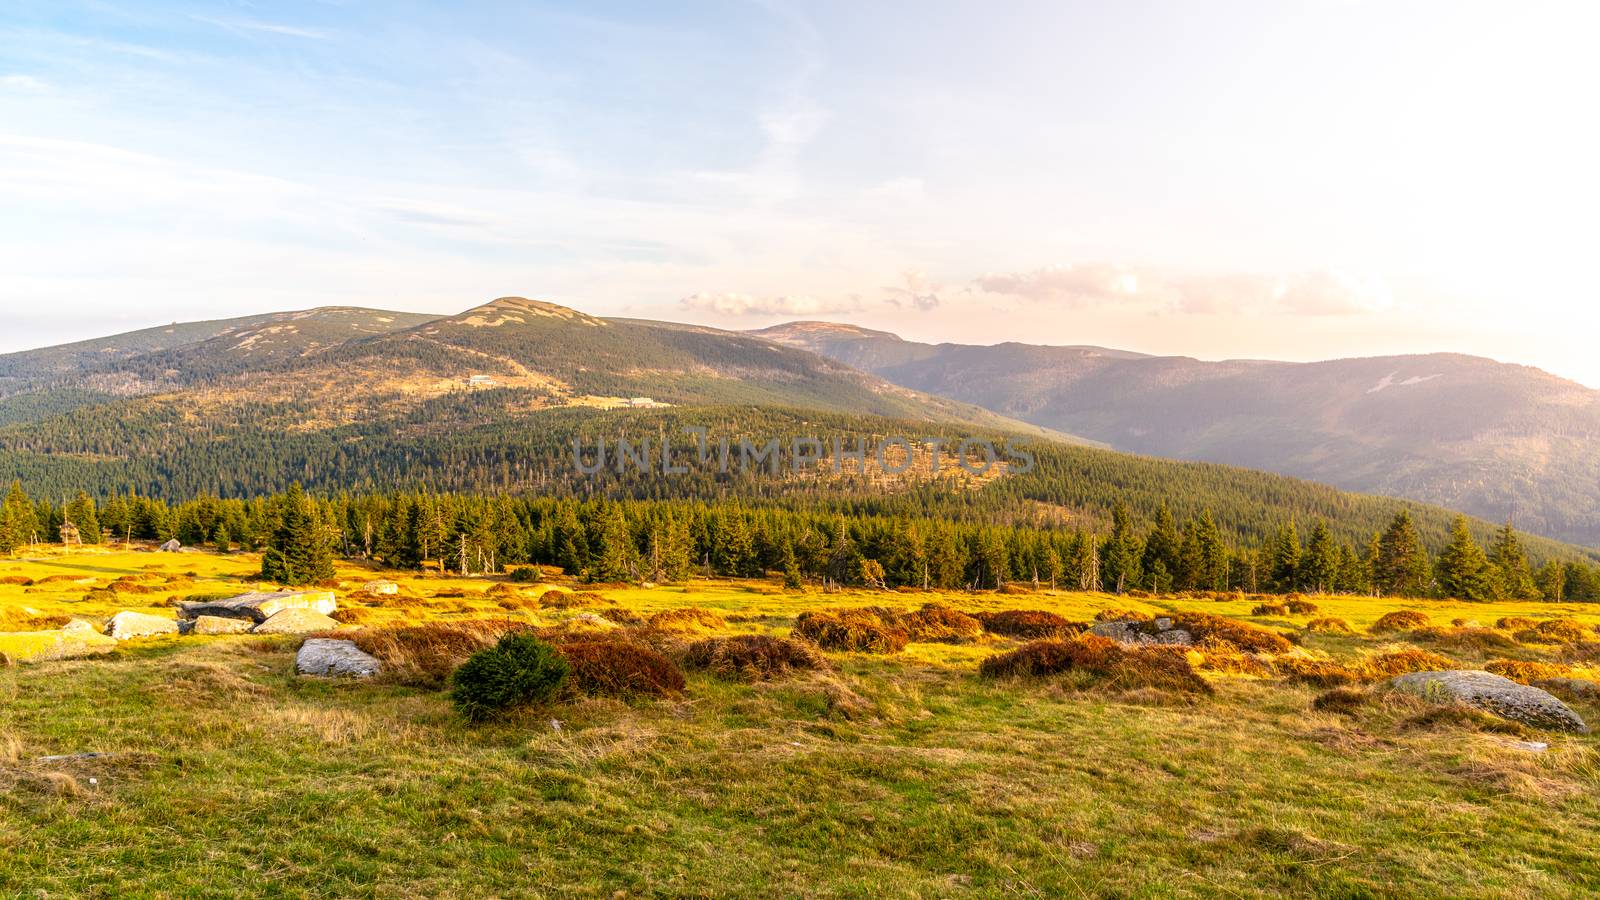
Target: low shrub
1329 625
937 623
1302 607
1463 638
689 619
519 670
354 615
12 619
856 630
620 669
1269 609
752 657
1012 587
425 655
572 600
526 575
1121 615
1399 620
1398 662
1341 700
1028 624
620 616
20 580
1525 672
1163 668
1556 631
1207 628
1514 623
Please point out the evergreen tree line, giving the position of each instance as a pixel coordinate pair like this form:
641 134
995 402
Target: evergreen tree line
613 540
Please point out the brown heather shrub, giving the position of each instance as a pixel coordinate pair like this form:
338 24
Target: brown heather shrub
620 669
689 619
12 619
1208 628
857 630
1029 624
1514 623
425 655
1301 607
354 615
1163 668
21 580
1525 672
1329 624
1269 609
1121 615
131 587
54 579
937 623
1581 652
1557 631
753 657
620 616
572 600
1467 638
1013 587
1223 657
1137 594
1399 620
1323 673
1341 700
1398 662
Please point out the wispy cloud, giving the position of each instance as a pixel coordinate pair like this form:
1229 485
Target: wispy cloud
22 83
1086 285
247 25
735 304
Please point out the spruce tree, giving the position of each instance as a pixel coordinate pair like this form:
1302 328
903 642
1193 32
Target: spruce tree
1283 561
1513 576
1319 566
1401 567
299 551
1462 570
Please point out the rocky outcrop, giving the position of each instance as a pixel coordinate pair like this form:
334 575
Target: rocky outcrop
128 624
381 588
1158 631
260 606
331 658
1493 694
76 639
296 620
219 625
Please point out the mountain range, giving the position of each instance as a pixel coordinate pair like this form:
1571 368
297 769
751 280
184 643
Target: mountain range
1496 440
491 399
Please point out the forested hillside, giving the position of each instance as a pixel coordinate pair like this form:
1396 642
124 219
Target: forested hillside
1500 441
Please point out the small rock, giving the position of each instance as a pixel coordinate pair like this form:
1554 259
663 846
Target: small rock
1493 694
128 624
381 587
1163 624
172 546
296 621
219 625
331 658
1130 632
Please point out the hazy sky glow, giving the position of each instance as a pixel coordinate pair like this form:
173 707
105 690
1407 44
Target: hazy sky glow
1272 179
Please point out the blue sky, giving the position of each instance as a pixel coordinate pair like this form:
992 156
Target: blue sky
1271 179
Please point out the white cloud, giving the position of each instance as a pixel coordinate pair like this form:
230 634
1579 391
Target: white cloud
21 83
1320 293
916 291
735 304
1073 285
1334 293
238 25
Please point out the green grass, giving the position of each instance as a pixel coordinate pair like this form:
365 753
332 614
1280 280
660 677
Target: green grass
902 776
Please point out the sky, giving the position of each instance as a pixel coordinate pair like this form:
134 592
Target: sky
1275 179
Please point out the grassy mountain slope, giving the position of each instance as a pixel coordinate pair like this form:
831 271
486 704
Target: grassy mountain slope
1492 439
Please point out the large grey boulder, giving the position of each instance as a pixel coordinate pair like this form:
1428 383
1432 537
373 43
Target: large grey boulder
331 658
219 625
296 621
1493 694
128 624
260 606
1127 631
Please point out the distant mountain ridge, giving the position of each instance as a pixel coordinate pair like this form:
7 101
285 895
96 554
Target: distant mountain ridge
1493 439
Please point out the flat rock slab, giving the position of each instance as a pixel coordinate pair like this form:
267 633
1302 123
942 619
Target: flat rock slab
381 587
75 640
296 620
1493 694
331 658
1130 632
260 606
128 624
219 625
